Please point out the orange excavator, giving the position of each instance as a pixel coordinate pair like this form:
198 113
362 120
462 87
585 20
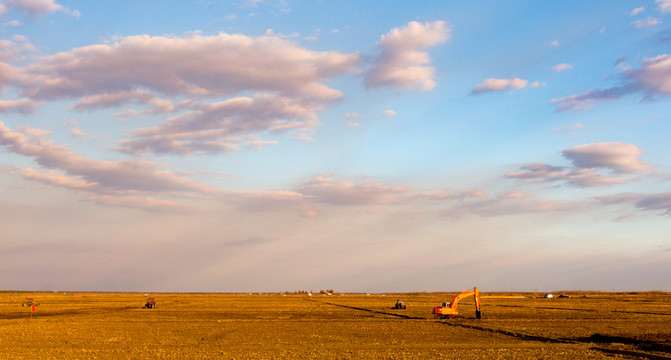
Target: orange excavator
450 309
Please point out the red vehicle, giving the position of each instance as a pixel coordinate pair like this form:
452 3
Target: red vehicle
29 302
400 305
151 303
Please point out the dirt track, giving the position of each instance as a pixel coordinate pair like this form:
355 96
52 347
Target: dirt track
340 326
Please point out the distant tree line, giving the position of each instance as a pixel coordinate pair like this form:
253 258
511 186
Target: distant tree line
305 292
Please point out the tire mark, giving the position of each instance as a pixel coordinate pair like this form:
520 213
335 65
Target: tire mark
370 310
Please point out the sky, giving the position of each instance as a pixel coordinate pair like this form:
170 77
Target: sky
280 145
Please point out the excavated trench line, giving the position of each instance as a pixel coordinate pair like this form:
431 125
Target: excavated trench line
369 310
520 336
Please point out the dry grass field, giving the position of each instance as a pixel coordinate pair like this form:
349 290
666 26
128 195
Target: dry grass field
270 326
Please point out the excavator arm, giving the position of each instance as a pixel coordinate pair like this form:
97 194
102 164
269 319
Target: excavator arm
451 308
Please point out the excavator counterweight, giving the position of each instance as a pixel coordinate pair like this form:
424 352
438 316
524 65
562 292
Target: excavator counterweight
450 309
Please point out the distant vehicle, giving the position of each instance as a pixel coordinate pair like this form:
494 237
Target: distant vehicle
549 296
400 305
29 302
151 303
450 309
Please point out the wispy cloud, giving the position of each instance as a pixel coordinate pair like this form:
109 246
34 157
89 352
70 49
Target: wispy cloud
562 67
498 85
325 188
637 11
653 79
645 23
510 203
644 202
132 183
21 106
590 99
220 126
574 127
618 159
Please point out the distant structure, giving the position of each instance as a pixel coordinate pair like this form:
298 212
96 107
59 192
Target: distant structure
549 296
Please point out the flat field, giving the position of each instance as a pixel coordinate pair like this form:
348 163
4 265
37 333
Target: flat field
342 326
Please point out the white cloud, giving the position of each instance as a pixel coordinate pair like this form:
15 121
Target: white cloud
22 106
554 43
221 126
77 132
353 125
619 160
619 157
637 11
491 85
284 82
353 115
324 188
654 76
154 104
390 113
126 113
403 61
536 84
13 50
663 6
39 7
644 23
197 66
562 67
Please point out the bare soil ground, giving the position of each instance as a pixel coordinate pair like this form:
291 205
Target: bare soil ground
271 326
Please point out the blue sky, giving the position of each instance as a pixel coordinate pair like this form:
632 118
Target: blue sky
280 145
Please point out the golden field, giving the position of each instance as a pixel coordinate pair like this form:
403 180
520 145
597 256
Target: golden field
342 326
